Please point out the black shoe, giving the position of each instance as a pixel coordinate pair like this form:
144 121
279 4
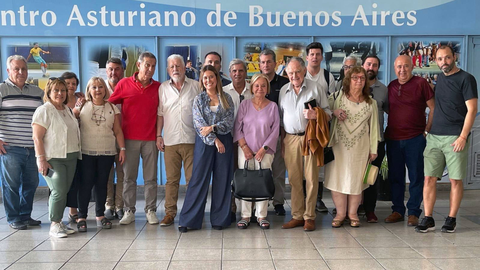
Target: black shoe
279 210
427 224
120 214
450 225
182 229
233 216
361 210
32 222
109 214
218 228
18 225
321 207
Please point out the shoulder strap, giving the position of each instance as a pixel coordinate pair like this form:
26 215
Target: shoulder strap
111 106
326 74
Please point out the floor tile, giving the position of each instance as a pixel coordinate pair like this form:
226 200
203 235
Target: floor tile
245 243
203 254
154 244
300 264
19 245
295 254
147 255
199 243
195 265
246 255
442 252
107 244
89 265
448 264
160 265
379 241
113 255
47 256
370 264
342 253
394 253
301 243
336 242
402 264
241 265
36 266
57 244
11 256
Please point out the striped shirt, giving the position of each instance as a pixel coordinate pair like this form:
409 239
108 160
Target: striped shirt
16 110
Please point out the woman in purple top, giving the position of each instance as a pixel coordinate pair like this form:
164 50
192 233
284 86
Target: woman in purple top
256 130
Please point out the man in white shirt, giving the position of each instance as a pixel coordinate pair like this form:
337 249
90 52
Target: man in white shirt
175 119
238 89
326 83
114 204
294 117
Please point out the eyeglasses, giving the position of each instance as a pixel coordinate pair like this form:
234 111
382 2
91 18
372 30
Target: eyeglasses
56 78
56 91
242 97
345 67
356 78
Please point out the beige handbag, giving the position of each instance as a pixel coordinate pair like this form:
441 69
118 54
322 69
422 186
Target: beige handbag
370 176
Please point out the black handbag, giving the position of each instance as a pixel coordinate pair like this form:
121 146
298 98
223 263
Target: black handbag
328 155
255 185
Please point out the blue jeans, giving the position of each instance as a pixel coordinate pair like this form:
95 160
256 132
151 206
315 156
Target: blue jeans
19 175
410 153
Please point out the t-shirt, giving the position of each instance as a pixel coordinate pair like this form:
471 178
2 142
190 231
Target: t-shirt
35 51
451 92
407 104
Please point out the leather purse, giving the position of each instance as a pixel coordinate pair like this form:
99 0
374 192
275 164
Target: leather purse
254 185
370 176
328 155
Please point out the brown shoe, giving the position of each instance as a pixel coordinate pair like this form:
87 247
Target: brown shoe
309 225
394 217
293 223
167 221
412 220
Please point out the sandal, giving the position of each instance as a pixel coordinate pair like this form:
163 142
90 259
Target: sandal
82 226
104 223
264 224
243 224
355 223
72 218
337 223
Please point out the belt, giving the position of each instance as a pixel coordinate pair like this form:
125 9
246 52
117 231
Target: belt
297 134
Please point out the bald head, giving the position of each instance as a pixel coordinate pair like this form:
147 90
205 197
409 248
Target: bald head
403 68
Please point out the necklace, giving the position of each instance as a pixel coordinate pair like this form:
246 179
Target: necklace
355 100
98 114
258 106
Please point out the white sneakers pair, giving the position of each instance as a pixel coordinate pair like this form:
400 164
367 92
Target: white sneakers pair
129 217
60 230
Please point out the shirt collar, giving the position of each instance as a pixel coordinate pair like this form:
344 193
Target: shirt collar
137 81
9 82
290 86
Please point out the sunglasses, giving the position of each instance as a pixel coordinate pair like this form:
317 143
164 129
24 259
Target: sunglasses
56 78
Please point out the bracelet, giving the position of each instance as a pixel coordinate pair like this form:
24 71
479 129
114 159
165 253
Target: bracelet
123 149
159 136
460 136
39 156
243 146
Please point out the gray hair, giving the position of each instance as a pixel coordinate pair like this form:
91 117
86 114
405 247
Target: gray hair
297 59
15 57
146 54
268 52
176 56
237 61
354 58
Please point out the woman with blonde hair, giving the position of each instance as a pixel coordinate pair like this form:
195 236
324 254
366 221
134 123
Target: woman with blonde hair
57 147
213 155
100 129
256 129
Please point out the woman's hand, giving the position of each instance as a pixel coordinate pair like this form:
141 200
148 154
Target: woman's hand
121 156
220 146
372 157
340 114
247 152
260 154
80 102
206 130
43 166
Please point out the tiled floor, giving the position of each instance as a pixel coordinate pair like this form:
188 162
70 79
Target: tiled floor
142 246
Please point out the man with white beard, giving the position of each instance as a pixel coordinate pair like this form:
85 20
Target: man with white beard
175 119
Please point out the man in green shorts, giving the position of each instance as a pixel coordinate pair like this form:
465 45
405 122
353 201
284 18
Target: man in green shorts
448 141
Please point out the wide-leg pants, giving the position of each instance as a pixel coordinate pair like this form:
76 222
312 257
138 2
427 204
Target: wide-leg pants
207 161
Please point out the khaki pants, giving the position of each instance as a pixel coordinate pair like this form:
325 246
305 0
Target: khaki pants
174 156
149 153
115 202
298 166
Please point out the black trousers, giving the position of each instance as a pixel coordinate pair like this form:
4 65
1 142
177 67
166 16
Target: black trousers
95 172
370 194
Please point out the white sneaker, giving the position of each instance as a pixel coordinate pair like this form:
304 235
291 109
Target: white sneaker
128 218
67 229
152 217
57 231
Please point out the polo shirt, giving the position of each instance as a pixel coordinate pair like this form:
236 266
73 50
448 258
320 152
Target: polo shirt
139 108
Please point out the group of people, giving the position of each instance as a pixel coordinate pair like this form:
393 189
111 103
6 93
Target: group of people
214 126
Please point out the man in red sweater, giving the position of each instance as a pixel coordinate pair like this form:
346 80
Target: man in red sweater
139 98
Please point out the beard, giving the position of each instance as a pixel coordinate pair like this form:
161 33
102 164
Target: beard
177 79
371 75
448 68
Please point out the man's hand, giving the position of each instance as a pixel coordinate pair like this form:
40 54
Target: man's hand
309 113
2 149
160 144
459 144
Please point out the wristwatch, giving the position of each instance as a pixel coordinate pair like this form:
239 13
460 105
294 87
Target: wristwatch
265 147
214 128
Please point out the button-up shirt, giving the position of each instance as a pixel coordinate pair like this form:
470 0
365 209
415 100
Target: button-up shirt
203 116
176 108
229 89
292 105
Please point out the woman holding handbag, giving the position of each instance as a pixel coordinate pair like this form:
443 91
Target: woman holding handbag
256 130
354 136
